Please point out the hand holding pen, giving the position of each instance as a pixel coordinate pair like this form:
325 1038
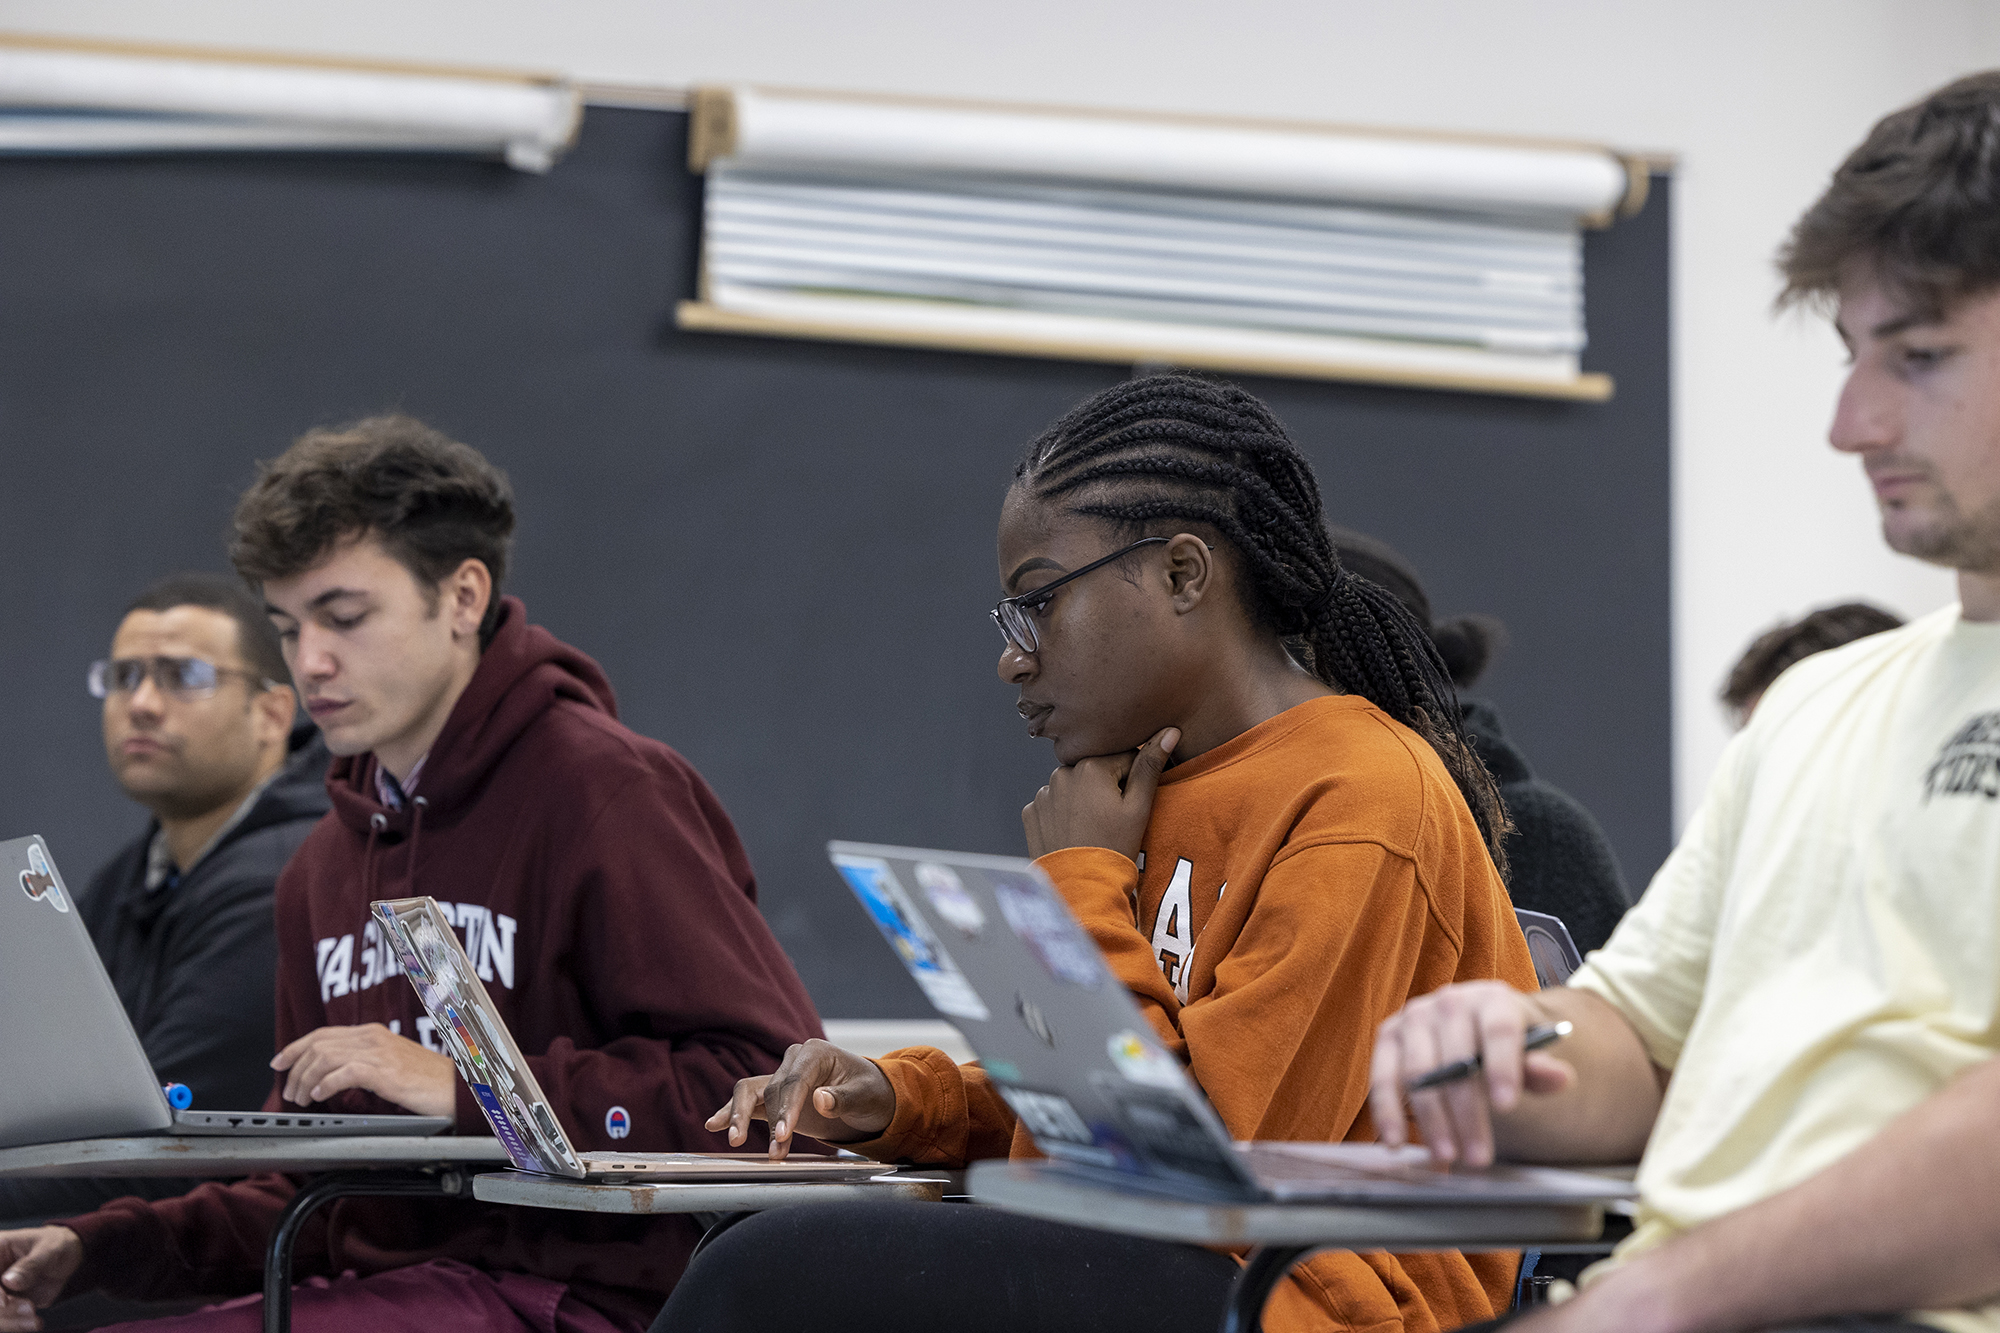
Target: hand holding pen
1458 1060
1536 1037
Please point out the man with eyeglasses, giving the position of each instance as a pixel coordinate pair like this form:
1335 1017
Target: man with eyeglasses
198 729
600 889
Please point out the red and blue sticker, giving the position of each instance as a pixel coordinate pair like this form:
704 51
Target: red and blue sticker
617 1122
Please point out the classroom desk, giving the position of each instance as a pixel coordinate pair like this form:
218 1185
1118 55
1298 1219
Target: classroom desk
717 1206
349 1165
1282 1233
650 1197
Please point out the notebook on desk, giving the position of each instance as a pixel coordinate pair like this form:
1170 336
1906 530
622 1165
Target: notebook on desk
995 949
480 1044
74 1068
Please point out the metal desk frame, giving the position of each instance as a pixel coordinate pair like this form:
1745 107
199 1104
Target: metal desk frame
1280 1234
344 1167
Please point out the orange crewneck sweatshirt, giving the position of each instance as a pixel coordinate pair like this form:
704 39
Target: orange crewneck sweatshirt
1300 883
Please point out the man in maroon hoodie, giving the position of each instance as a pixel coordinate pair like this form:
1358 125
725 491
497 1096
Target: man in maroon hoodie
599 886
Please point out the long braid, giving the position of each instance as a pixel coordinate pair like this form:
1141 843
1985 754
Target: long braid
1172 448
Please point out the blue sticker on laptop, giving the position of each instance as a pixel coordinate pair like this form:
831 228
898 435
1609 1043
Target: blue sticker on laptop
39 880
504 1130
1048 930
898 920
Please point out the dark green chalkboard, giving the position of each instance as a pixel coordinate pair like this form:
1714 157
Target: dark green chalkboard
781 551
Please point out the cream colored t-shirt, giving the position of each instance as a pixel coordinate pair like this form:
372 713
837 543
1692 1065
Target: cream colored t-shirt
1822 950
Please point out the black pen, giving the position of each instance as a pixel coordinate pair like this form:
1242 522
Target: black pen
1536 1037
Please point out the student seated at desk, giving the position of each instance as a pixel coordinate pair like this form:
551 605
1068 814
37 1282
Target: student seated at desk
1798 1022
1272 857
602 892
198 728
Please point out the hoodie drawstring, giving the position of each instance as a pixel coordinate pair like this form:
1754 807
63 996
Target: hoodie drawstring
376 823
417 808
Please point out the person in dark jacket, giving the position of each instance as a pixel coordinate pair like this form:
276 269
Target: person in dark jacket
199 729
601 891
1558 859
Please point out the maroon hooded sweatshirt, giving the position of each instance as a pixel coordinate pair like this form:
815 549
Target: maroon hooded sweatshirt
606 903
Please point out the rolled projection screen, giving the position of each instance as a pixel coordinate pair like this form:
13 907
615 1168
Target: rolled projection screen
754 127
528 120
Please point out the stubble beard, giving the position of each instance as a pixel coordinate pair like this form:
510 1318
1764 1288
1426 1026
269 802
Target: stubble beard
186 796
1953 539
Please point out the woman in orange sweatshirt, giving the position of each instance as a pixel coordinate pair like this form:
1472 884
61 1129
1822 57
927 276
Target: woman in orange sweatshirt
1270 822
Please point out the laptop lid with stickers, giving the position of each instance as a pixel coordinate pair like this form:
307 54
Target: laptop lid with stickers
483 1049
475 1037
996 951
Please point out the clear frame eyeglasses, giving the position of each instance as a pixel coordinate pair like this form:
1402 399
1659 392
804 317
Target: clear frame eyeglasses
182 677
1016 615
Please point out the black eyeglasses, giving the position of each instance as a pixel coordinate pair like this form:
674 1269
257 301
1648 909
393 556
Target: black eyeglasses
1016 615
182 677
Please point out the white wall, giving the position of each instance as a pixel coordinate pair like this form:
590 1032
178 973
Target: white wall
1758 99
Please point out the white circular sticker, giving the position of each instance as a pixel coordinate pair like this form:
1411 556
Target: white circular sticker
946 891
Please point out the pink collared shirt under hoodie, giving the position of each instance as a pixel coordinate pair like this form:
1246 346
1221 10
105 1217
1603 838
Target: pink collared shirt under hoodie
392 793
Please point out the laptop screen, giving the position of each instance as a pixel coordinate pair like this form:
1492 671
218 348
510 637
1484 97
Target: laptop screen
995 949
475 1037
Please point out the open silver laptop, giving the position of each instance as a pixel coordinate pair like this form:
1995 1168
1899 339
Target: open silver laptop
74 1067
997 952
504 1086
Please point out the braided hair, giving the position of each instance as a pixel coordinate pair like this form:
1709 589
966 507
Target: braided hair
1176 449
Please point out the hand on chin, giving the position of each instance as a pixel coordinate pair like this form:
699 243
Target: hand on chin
1103 801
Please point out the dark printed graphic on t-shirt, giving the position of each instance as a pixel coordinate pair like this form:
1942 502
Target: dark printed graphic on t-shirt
1969 764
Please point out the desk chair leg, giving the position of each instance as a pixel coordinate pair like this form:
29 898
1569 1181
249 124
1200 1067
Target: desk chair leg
1267 1267
323 1190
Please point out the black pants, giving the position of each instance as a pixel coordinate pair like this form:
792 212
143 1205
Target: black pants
890 1266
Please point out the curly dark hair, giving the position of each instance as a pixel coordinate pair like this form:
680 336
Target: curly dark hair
1919 200
432 502
1775 650
1172 449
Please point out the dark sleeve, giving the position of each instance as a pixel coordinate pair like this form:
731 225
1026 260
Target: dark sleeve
211 1240
29 1203
209 1022
1560 862
674 963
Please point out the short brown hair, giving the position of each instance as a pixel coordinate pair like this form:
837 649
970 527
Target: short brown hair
1919 200
1776 650
432 502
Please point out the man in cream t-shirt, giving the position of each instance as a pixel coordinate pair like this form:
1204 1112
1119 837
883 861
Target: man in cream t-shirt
1795 1029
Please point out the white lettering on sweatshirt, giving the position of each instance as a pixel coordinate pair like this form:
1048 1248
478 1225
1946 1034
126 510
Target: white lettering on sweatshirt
489 943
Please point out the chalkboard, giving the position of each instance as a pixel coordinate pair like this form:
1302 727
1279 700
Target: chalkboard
782 552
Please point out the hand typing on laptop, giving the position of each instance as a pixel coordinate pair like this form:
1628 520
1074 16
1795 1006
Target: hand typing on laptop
331 1060
819 1089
